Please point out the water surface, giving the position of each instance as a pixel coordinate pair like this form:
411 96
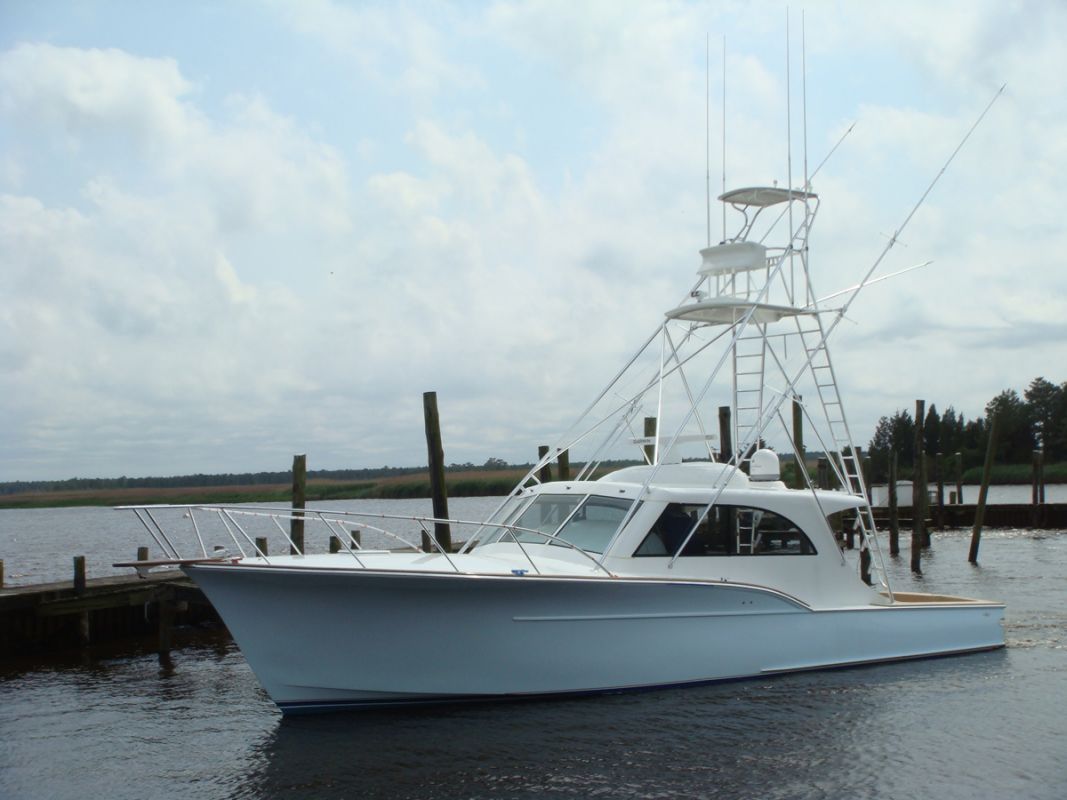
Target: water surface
119 724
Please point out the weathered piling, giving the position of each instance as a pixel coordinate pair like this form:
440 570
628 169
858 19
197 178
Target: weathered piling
924 476
165 621
79 588
918 492
142 553
823 472
726 437
563 465
894 508
545 473
1 573
296 525
987 473
939 477
959 477
79 574
1037 487
436 455
261 545
651 429
798 442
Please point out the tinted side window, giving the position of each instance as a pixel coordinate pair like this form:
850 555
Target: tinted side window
726 530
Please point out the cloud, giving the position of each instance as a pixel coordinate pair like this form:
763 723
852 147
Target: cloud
76 93
403 48
207 282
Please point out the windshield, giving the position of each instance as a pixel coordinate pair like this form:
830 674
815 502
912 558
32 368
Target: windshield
586 522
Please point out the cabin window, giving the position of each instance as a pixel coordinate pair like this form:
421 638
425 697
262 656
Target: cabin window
725 531
546 513
592 526
586 522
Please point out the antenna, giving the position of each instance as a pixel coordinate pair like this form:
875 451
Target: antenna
707 130
789 136
724 135
804 96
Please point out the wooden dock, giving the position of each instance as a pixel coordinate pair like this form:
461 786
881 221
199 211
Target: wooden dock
70 614
1045 516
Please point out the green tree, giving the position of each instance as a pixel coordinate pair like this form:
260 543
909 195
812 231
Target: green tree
1046 403
951 434
892 434
932 432
1015 427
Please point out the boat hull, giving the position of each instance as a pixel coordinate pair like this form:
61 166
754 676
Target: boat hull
323 639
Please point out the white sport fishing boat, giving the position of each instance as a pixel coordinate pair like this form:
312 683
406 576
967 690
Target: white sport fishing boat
668 573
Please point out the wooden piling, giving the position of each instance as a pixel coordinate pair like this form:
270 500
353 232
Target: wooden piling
823 471
1037 488
84 629
850 530
563 465
959 477
918 491
865 563
894 508
1041 478
726 437
79 574
166 609
924 463
545 473
798 442
296 525
651 428
939 477
987 473
436 456
79 588
261 545
1 573
142 553
335 544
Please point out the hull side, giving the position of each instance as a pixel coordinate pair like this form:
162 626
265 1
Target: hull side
359 638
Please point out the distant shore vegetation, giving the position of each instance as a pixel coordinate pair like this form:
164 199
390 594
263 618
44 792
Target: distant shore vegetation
1036 420
495 477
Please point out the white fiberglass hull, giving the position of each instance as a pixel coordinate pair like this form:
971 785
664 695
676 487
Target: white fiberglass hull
320 639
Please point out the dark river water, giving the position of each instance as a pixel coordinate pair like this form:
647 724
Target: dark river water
121 724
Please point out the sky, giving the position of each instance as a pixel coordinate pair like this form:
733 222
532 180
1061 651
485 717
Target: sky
232 232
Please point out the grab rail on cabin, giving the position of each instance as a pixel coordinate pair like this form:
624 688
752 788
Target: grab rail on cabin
343 525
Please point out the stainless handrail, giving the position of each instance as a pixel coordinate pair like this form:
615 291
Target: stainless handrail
331 517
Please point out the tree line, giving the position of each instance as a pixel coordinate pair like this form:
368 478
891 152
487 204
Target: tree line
200 480
1035 421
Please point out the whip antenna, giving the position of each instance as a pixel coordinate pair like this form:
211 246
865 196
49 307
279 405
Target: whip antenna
804 98
707 130
724 135
789 136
